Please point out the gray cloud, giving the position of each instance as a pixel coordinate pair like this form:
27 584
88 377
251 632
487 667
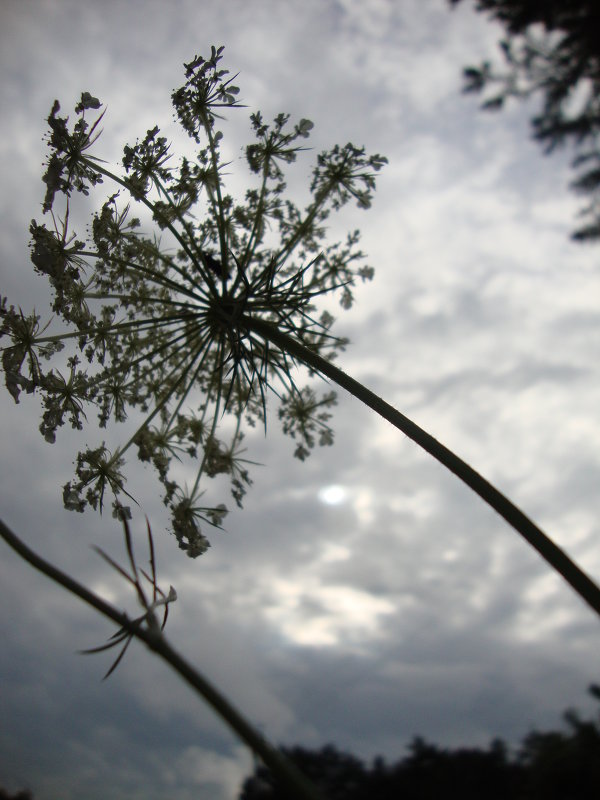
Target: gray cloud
408 607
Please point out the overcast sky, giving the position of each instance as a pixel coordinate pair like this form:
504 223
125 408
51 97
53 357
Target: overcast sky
364 596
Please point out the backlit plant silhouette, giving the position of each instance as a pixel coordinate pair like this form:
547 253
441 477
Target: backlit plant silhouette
147 629
193 326
163 328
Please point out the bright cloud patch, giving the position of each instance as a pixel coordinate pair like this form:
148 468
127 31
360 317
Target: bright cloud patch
332 495
315 615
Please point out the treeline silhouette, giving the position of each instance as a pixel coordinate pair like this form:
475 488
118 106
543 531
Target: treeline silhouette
558 765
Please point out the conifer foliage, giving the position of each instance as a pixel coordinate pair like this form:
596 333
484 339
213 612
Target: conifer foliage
552 52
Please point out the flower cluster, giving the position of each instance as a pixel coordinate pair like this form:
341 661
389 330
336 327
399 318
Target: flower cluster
162 323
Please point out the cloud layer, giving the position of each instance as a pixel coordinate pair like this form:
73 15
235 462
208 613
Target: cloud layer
405 606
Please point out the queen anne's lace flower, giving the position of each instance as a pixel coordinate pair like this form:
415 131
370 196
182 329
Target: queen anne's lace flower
162 324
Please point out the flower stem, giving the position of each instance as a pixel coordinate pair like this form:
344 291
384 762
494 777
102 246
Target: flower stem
295 782
550 552
142 199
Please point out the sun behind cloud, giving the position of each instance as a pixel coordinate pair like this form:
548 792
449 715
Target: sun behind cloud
333 495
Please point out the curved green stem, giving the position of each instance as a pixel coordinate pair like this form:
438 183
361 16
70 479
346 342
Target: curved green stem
550 552
295 782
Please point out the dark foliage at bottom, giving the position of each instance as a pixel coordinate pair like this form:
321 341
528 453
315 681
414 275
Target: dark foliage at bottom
23 795
558 765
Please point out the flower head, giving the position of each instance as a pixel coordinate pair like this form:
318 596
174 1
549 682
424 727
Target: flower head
159 325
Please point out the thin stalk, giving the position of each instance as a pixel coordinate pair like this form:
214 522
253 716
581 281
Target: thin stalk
130 298
295 782
147 203
253 240
296 237
184 395
189 230
158 278
219 214
212 429
550 552
161 404
124 366
146 322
